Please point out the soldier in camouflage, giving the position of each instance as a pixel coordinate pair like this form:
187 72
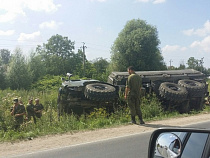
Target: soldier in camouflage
133 93
18 111
38 108
30 110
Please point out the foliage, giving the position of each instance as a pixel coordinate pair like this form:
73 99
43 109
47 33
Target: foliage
5 56
19 75
4 60
197 65
101 66
47 82
36 67
151 107
3 82
58 55
137 45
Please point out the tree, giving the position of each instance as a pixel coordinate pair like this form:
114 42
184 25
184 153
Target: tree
101 66
56 54
196 64
36 66
2 76
4 60
19 76
5 56
137 45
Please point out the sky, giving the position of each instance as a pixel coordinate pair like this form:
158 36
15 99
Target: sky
183 25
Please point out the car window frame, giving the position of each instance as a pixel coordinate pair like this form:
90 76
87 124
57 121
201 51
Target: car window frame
204 152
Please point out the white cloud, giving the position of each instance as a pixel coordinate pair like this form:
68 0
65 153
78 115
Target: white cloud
10 9
143 1
24 37
51 25
204 45
98 0
7 33
204 31
159 1
153 1
188 32
172 48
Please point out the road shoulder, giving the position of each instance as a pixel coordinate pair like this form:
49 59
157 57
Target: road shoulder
56 141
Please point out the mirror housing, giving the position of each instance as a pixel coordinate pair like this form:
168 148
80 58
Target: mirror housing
166 142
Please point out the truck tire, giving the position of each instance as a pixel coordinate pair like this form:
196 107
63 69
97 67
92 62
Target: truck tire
100 92
194 88
184 107
172 91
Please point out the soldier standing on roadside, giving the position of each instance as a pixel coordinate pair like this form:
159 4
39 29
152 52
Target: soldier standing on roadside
30 110
38 108
133 93
18 111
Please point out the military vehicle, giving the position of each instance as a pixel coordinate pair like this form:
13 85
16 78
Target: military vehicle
182 90
81 96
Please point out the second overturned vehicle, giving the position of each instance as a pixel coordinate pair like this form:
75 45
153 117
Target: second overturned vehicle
182 90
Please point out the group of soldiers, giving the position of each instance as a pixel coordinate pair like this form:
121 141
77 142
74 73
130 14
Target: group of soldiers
21 113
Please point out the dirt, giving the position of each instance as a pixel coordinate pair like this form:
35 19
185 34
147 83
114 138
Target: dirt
68 139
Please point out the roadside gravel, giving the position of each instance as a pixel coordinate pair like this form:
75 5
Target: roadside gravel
56 141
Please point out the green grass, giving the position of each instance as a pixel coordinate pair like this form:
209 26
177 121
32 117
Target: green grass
49 124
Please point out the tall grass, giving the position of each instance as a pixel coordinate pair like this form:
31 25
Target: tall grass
49 124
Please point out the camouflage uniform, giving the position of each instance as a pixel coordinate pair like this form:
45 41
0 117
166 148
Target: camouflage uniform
31 112
38 107
134 84
19 109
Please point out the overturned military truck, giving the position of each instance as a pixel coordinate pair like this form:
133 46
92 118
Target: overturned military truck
82 96
182 90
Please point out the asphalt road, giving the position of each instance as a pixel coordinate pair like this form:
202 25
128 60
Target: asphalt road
133 146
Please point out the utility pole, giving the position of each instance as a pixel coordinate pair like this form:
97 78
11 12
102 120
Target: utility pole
83 50
170 63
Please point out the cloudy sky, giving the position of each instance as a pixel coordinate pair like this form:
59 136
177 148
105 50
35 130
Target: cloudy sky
183 25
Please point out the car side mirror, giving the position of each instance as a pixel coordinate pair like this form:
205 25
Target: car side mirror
168 145
179 142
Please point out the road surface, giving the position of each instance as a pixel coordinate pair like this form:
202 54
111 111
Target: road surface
132 146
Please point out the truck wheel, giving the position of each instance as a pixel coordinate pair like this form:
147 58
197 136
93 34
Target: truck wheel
100 92
184 107
194 88
172 91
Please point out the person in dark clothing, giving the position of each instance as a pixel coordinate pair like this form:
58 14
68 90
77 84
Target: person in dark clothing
30 110
18 111
38 107
133 95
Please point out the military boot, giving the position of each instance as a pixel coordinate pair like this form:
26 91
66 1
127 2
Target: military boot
133 120
141 120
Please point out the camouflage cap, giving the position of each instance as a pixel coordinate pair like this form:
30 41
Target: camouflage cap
15 100
37 99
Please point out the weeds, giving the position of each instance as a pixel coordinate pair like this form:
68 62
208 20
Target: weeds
49 124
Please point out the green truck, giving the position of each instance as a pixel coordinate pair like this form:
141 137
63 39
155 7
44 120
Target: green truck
182 90
82 96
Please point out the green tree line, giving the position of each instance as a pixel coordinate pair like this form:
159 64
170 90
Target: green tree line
137 44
